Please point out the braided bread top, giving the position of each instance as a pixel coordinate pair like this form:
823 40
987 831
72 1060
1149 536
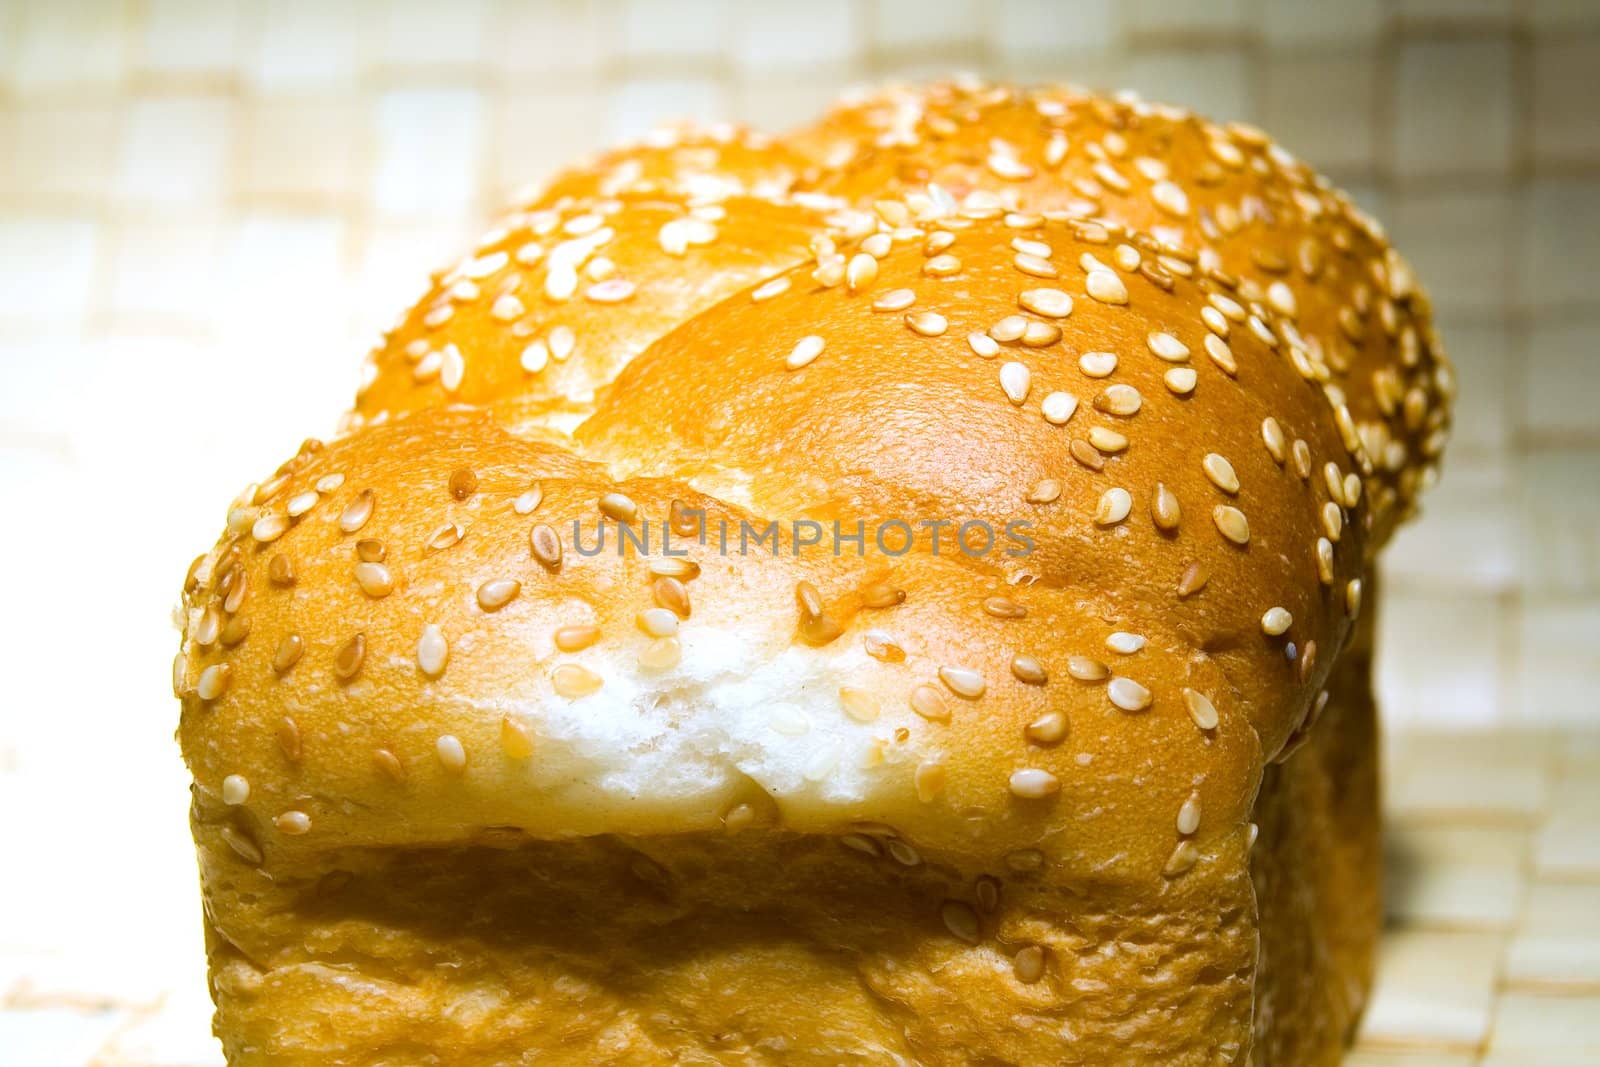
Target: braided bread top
1059 524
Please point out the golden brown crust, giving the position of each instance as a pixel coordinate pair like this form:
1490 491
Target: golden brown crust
703 163
416 712
558 298
1295 244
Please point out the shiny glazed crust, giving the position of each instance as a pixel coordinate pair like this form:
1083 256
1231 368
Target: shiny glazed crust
467 792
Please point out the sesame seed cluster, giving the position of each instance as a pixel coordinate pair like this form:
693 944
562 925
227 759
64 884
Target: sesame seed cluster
1194 370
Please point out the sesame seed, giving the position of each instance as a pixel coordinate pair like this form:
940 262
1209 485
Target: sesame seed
769 289
1114 506
546 545
576 638
1034 266
805 351
1125 643
661 654
214 681
1047 491
1119 400
670 593
288 653
930 780
242 844
1231 523
329 482
1086 455
535 357
1107 440
1164 508
374 580
902 853
269 528
1085 669
235 790
1028 670
1325 560
293 823
1011 328
927 323
280 571
1015 380
1183 858
347 661
942 266
1221 354
963 682
389 764
859 704
507 308
452 369
371 550
1221 472
1170 198
1332 520
657 622
497 593
1215 321
1106 287
301 503
562 341
1034 784
572 681
288 735
1051 303
1028 964
1031 247
983 345
1272 437
1276 621
1189 815
861 272
1048 729
1302 458
514 739
929 703
447 536
937 242
1003 608
1040 334
1194 578
1057 408
960 920
878 245
675 566
433 651
1097 364
1181 380
618 507
1167 347
1201 710
1352 597
451 752
1128 694
894 300
356 514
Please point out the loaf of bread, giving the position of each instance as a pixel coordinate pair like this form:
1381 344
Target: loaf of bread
896 593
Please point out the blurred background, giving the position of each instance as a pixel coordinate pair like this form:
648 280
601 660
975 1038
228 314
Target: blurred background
194 190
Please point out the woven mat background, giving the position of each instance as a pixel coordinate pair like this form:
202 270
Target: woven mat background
191 190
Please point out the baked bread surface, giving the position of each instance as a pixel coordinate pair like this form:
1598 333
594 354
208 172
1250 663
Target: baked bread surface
466 792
